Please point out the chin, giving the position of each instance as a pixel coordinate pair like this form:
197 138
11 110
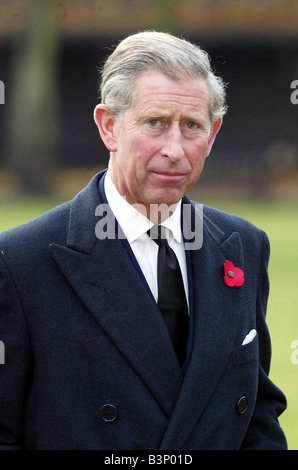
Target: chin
166 199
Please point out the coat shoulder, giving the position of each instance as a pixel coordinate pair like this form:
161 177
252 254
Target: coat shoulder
254 239
34 236
230 223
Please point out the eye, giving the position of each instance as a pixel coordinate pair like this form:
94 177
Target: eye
191 125
154 122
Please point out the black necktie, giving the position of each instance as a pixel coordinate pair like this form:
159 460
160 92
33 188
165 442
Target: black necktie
171 294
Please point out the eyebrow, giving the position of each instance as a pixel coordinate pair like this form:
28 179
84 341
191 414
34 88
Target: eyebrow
155 113
160 112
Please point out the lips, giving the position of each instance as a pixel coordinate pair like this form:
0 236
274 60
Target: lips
168 174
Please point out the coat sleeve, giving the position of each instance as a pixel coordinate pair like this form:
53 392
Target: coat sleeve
264 431
15 362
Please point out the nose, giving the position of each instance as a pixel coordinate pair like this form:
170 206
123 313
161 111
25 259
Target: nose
173 144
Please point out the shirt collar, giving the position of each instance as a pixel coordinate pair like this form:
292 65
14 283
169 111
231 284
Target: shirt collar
133 223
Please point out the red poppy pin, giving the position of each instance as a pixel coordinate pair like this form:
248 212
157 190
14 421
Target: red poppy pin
234 277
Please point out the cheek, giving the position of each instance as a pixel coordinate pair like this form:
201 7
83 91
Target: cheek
197 154
143 149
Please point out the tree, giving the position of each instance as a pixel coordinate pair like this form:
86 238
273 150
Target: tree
33 123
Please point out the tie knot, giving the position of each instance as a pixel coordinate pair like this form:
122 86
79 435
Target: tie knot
158 234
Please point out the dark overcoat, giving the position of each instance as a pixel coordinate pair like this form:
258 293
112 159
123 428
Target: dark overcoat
88 360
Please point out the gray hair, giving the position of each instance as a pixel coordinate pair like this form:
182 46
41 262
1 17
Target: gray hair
176 58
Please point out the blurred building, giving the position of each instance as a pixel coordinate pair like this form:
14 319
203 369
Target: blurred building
253 45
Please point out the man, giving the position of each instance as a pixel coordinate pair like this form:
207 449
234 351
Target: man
133 318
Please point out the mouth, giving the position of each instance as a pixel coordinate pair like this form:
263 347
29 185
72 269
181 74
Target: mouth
174 176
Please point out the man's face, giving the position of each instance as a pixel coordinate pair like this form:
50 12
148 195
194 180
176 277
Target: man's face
163 140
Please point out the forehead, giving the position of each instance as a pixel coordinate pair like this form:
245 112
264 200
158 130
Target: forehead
153 89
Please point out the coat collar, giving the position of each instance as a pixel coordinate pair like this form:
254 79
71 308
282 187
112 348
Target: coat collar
81 228
125 308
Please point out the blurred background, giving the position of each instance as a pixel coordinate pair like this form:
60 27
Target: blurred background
50 148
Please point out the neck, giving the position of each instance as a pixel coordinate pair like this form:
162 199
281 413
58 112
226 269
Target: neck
158 213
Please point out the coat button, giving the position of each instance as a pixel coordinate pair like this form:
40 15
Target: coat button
242 405
108 413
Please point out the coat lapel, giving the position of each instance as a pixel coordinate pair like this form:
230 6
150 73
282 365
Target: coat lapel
103 276
217 310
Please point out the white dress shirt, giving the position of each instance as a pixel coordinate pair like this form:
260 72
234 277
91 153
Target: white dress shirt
135 225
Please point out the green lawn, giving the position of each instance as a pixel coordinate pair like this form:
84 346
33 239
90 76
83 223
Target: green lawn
280 221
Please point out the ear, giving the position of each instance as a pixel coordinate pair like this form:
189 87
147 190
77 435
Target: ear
214 130
105 122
